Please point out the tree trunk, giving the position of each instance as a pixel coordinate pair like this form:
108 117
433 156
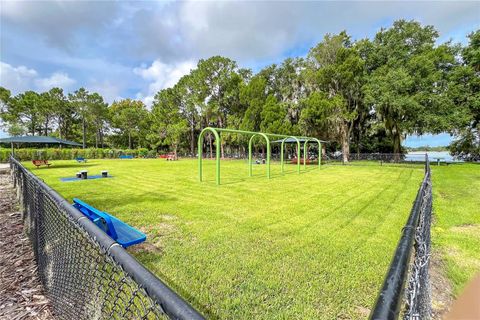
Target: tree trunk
84 130
46 128
175 157
359 138
211 145
192 140
60 128
345 137
96 139
397 143
129 140
220 125
32 127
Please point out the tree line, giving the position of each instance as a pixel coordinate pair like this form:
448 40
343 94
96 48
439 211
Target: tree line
362 96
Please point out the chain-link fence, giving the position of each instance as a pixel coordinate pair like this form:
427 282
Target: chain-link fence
86 274
334 158
413 303
373 159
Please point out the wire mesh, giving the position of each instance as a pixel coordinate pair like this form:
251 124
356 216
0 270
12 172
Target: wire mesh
418 298
85 273
414 302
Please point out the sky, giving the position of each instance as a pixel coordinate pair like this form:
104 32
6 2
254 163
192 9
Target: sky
431 140
132 49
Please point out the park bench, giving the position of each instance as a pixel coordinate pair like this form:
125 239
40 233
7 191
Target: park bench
39 163
81 159
125 156
118 230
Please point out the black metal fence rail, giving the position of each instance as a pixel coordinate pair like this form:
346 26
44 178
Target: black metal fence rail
415 303
86 274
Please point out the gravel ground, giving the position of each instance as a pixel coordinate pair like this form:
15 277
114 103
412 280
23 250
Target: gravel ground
21 293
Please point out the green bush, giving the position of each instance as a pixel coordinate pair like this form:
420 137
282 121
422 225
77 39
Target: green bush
151 154
4 154
27 154
142 152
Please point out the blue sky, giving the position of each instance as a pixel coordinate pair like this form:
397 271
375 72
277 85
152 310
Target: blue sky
133 49
437 140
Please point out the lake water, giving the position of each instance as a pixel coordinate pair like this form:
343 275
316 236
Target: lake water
432 155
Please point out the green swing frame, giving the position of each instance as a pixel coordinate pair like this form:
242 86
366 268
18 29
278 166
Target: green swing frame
217 134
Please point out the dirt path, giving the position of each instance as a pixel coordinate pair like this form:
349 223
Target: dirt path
21 293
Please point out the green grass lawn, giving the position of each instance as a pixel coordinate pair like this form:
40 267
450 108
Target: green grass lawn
314 245
456 230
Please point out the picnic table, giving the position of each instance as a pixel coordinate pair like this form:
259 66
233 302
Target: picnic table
168 156
39 163
171 157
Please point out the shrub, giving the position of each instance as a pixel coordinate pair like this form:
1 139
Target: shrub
27 154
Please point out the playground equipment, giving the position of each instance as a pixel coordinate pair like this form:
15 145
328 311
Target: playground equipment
250 153
282 148
118 230
266 136
305 151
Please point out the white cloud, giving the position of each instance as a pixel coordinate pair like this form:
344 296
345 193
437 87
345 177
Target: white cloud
108 90
22 78
59 23
254 32
250 32
100 42
57 79
161 76
16 79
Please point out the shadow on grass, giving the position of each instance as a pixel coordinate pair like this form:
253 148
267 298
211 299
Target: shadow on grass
62 166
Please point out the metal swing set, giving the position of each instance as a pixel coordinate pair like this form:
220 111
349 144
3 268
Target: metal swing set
266 136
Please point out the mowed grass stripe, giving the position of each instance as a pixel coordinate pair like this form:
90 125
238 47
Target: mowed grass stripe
456 228
314 245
